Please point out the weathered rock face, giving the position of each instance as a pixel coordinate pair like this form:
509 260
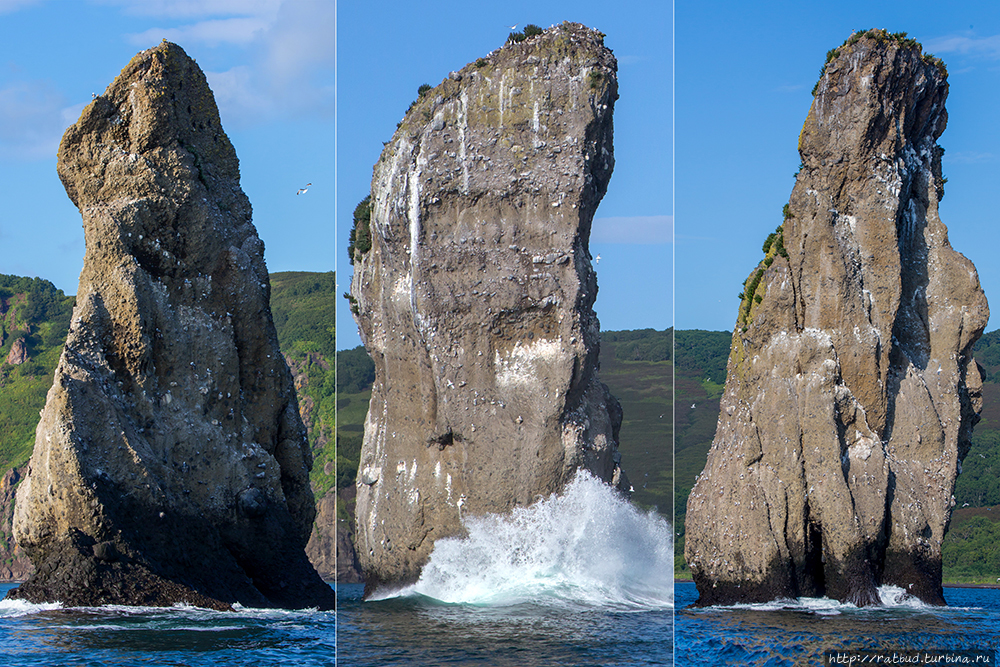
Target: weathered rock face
18 353
851 390
475 299
14 564
170 462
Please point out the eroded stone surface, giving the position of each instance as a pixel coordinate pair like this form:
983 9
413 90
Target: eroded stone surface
851 391
475 299
170 462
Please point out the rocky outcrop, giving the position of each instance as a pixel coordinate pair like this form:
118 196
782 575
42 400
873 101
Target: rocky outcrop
331 546
14 564
321 548
170 462
18 353
851 391
348 566
475 298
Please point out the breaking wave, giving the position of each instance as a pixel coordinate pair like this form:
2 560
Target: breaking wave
892 597
585 547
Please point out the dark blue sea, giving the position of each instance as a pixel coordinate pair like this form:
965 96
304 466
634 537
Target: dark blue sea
801 632
35 635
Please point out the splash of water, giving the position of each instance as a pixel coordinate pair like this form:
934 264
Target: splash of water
587 546
891 597
15 608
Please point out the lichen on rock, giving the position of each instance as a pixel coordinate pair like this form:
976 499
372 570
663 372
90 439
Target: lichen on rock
851 390
170 463
475 298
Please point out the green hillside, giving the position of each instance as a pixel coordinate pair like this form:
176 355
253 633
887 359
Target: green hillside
303 308
33 311
636 366
355 374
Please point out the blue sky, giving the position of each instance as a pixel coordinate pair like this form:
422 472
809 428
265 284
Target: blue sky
271 65
387 50
744 72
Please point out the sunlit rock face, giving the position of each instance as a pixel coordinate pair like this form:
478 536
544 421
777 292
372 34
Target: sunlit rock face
475 299
851 391
170 463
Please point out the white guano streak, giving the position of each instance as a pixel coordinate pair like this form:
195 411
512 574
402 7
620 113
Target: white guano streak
463 122
413 213
525 364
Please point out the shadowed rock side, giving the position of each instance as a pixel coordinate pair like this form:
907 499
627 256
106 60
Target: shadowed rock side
170 462
475 299
851 392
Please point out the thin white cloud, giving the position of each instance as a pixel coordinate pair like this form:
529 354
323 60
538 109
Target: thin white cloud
646 230
193 9
33 116
240 31
9 6
984 47
304 36
967 157
791 88
239 97
624 61
293 71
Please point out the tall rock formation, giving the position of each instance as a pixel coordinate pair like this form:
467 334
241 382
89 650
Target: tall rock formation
170 462
851 391
475 298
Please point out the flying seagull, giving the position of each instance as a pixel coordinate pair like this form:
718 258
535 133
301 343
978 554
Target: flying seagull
302 191
514 27
597 260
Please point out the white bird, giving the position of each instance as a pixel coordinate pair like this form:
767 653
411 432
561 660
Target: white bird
302 191
514 27
693 406
597 260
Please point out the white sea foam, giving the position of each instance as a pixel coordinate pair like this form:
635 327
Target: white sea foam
892 597
179 611
15 608
585 547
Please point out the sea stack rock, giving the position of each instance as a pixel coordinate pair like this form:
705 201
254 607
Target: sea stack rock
851 390
170 462
475 298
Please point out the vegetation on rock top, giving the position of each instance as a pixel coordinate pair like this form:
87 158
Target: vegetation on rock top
882 36
360 240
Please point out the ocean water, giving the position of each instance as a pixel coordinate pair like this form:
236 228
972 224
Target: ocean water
803 631
43 635
578 579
